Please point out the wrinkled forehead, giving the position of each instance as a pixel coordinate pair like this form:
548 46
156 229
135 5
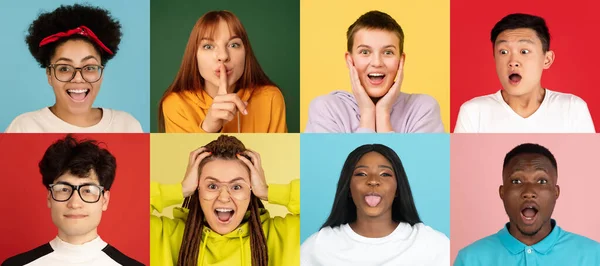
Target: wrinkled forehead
225 171
529 162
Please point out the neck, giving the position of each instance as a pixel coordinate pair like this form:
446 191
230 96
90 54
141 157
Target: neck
530 240
525 105
374 227
87 119
78 239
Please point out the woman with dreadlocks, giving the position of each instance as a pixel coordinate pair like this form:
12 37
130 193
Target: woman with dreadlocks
222 220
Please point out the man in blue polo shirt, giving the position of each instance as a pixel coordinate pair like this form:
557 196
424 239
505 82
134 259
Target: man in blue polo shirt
531 237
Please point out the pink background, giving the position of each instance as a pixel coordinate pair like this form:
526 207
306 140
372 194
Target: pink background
476 210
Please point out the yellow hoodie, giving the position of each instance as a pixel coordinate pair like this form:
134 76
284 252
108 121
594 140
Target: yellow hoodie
185 111
282 234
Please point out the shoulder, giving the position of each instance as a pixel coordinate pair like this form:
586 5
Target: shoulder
119 257
336 99
564 98
487 245
29 256
27 121
480 102
431 234
267 93
326 234
124 120
582 242
419 99
172 99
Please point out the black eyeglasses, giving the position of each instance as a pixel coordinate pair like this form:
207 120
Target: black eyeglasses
66 73
63 191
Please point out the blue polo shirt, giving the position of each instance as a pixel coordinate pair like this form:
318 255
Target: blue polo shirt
559 248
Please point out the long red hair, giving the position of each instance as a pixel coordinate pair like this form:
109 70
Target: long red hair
188 77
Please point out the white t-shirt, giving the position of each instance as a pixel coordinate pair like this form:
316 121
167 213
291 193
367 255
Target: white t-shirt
558 113
417 245
44 121
60 253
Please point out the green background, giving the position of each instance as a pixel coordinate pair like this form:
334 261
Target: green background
273 27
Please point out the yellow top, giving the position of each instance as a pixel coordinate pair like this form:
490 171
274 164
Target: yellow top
185 111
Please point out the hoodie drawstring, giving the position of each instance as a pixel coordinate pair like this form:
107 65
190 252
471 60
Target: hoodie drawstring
203 247
241 244
238 122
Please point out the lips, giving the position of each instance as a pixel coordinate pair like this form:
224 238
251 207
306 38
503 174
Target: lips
79 94
514 78
373 199
529 212
224 215
229 71
75 216
376 78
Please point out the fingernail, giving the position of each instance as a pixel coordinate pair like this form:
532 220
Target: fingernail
245 112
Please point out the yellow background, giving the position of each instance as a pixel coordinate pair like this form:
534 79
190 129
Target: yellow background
426 26
280 155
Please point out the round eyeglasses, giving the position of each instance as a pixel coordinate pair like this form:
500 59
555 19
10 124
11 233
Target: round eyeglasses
66 73
210 190
89 193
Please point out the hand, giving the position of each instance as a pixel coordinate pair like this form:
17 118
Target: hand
224 107
190 181
257 174
383 108
365 104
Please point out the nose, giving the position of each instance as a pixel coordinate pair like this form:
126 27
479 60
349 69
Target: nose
222 55
513 62
529 192
78 76
373 182
376 60
224 195
75 201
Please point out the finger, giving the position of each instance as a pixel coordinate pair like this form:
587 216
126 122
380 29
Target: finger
195 153
222 80
228 106
234 98
224 115
247 162
201 157
255 157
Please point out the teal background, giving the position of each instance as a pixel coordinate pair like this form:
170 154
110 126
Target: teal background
426 160
126 84
273 29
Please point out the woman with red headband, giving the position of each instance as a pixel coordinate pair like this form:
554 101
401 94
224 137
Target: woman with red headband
73 43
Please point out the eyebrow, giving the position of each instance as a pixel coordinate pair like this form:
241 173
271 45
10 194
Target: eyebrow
82 184
85 58
385 47
212 40
230 181
379 166
521 40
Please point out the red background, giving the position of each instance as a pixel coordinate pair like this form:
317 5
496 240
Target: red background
573 29
25 220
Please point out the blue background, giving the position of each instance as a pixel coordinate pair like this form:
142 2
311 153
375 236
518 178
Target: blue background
126 84
426 160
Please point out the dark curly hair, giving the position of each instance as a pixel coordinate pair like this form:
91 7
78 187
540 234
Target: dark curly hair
65 18
78 157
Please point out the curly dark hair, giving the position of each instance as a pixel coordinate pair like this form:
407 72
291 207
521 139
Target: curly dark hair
78 157
68 17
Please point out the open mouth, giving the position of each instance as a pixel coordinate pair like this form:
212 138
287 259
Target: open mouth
224 215
373 199
376 78
529 214
514 78
78 95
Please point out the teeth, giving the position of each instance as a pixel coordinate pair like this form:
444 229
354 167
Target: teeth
78 91
528 218
224 210
376 75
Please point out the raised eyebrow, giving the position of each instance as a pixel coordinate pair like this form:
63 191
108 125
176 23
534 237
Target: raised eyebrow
63 59
89 57
363 46
390 46
385 166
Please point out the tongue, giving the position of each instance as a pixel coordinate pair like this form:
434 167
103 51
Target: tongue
529 213
515 78
372 200
224 216
77 96
376 78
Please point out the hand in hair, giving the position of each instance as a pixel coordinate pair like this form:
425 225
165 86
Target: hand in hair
190 181
365 104
224 107
257 174
383 108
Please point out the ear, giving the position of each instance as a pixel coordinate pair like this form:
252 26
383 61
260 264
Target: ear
548 59
348 57
49 199
105 200
557 188
501 192
49 76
